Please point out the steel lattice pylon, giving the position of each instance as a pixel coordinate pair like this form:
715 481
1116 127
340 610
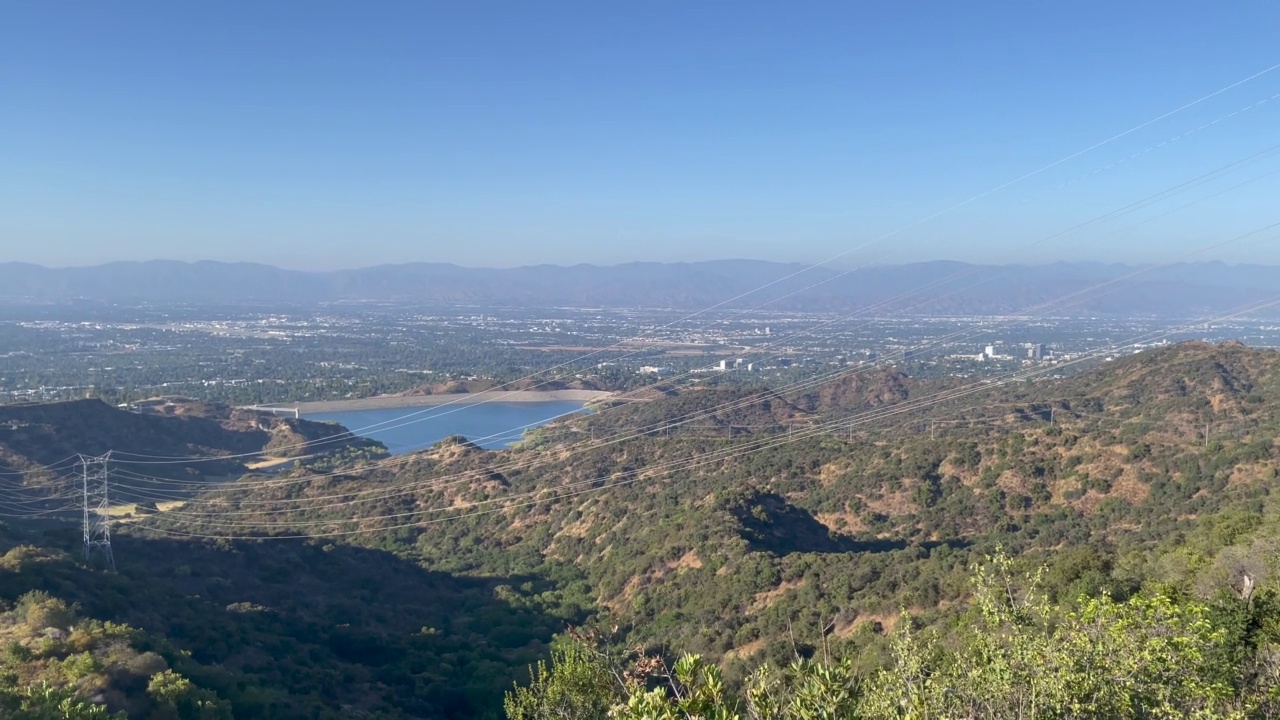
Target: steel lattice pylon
97 521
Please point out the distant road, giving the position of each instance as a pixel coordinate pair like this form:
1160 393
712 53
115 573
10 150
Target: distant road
408 401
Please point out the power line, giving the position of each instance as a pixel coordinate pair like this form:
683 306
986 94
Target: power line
97 505
601 483
972 199
885 236
384 494
1131 207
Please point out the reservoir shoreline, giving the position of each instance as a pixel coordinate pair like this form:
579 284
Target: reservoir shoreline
386 402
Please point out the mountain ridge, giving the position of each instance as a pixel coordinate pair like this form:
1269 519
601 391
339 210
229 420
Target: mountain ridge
930 288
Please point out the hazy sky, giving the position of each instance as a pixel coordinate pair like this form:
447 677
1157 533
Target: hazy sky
319 135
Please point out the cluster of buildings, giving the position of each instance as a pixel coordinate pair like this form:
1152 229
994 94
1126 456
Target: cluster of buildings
651 370
1030 351
1026 352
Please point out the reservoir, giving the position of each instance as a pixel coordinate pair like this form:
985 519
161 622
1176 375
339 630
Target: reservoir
492 425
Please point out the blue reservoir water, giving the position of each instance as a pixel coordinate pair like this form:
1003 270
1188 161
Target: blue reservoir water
489 425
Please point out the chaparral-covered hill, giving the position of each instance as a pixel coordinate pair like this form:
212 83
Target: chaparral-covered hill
747 525
755 520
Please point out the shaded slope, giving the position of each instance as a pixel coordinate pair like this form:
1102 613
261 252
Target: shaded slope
43 434
295 630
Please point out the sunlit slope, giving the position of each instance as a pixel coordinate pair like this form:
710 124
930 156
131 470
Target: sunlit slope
716 538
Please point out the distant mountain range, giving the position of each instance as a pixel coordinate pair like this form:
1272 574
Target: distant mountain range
926 288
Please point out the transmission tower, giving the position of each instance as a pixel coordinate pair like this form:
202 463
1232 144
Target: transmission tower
97 521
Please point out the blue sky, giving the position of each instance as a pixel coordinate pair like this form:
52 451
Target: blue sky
319 135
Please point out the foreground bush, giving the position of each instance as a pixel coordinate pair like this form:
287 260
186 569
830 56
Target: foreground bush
1013 655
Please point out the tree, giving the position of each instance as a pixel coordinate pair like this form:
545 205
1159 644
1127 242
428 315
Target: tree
45 702
578 686
1013 655
695 690
177 698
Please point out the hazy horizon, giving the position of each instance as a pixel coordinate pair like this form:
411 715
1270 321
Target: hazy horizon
837 266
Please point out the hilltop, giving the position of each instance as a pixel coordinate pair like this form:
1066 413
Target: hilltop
44 434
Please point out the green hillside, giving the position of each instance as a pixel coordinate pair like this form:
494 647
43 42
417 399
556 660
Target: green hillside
749 527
